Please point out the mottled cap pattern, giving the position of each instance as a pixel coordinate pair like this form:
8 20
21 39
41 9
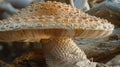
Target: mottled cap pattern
54 15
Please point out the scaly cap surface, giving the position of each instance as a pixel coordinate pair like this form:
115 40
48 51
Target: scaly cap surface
53 15
56 15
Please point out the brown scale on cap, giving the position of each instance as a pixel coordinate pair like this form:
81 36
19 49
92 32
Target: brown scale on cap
58 23
55 15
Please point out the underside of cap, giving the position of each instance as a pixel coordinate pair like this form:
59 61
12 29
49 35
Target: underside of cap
55 15
37 35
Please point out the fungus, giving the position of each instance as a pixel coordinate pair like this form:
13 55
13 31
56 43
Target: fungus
55 24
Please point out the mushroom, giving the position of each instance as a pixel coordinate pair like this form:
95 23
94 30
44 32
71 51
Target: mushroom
55 24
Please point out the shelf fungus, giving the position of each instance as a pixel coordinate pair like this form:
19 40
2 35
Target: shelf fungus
54 24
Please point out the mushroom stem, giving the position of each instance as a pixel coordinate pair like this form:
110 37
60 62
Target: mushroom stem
63 52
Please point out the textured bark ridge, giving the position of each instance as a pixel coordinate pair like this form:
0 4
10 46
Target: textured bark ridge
63 52
108 9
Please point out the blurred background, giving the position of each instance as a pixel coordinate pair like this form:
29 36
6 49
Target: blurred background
105 51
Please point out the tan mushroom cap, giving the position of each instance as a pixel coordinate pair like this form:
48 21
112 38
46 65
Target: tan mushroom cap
53 19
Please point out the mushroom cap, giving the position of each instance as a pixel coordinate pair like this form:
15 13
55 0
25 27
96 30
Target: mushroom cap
53 19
